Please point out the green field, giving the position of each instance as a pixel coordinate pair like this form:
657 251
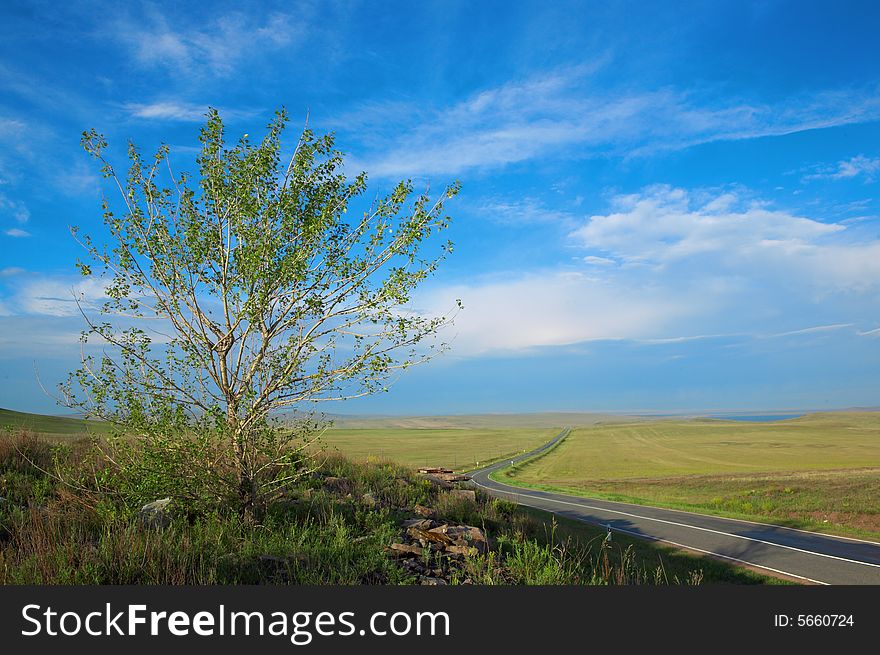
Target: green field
457 448
820 471
52 426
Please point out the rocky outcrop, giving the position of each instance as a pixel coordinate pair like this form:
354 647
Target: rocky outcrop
433 551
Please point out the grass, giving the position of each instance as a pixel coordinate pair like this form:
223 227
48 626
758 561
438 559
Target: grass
323 531
674 563
819 472
457 448
52 426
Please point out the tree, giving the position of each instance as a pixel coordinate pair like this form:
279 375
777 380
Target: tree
265 294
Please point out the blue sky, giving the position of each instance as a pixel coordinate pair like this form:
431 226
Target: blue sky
667 206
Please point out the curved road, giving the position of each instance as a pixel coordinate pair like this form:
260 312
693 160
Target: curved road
808 556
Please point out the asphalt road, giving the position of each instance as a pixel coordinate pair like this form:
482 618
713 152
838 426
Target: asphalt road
809 556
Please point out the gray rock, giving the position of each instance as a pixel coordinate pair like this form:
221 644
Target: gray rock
404 550
155 514
466 494
422 524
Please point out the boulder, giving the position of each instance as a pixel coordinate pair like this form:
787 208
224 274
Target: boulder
467 551
404 550
428 536
155 514
434 582
453 477
421 510
336 485
437 482
422 524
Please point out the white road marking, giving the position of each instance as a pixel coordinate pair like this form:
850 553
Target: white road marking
700 550
519 492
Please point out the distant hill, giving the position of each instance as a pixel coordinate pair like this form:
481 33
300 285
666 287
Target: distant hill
535 420
50 425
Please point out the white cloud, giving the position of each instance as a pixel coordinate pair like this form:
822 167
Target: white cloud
17 233
672 266
811 330
57 296
15 208
599 261
11 271
552 308
521 212
667 228
858 166
562 112
213 47
662 223
180 111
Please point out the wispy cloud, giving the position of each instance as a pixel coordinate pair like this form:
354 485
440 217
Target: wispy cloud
46 295
810 330
527 211
181 111
212 47
670 265
17 233
858 166
564 113
14 208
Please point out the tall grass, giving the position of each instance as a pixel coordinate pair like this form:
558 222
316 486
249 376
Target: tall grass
332 528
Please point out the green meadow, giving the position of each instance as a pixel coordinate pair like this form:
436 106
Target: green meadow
50 426
819 472
455 448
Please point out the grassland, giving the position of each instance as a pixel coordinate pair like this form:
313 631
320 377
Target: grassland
818 472
331 527
50 426
458 448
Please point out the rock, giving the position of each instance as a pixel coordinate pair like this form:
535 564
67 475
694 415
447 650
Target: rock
465 494
405 550
421 510
155 514
453 477
437 482
369 500
469 532
434 582
428 536
336 485
467 535
422 524
467 551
